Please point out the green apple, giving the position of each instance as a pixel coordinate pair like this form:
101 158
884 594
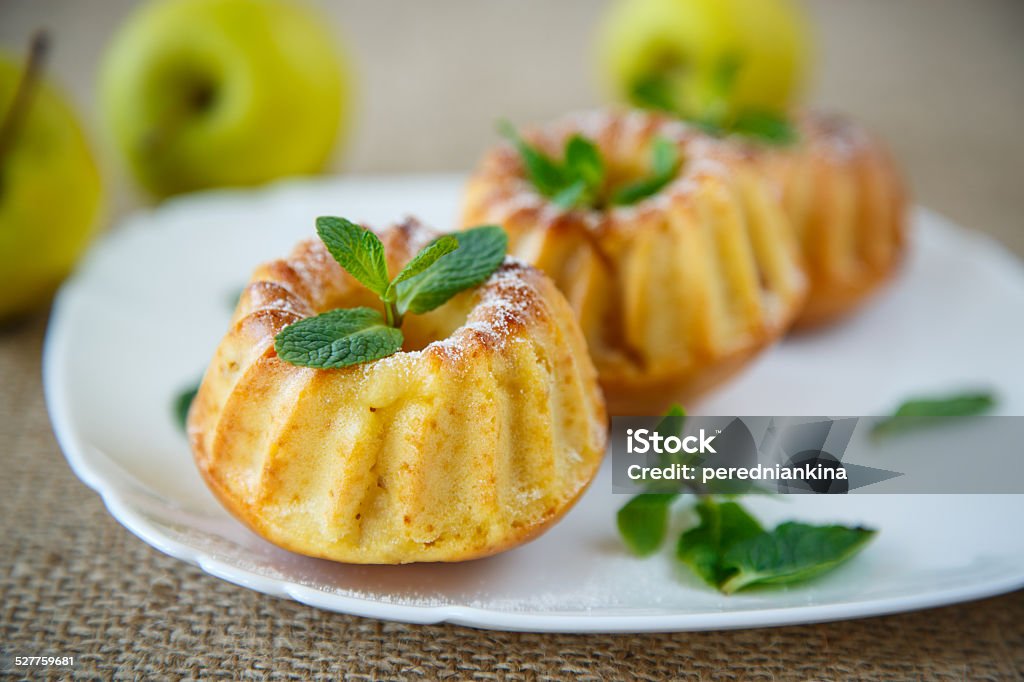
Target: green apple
50 189
207 93
671 54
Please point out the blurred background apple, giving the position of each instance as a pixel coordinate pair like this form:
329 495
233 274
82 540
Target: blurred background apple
674 54
50 190
434 77
209 93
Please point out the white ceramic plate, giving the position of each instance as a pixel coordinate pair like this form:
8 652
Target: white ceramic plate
141 318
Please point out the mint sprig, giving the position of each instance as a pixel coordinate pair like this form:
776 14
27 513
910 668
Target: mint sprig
764 125
728 548
443 268
665 164
730 551
921 412
654 91
580 180
574 182
658 91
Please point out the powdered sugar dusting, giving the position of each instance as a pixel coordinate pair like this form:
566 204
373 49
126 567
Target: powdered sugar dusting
507 302
835 136
702 155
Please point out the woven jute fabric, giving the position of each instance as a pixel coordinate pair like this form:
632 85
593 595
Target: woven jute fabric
75 583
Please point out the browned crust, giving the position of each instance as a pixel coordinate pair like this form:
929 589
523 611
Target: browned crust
832 303
629 396
250 516
832 145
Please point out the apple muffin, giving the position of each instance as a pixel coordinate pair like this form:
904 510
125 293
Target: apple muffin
848 204
671 248
475 431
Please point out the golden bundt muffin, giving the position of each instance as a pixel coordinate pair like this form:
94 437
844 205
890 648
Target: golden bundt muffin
848 203
474 438
675 292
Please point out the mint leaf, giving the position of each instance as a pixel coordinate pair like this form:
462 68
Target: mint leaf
671 424
356 249
643 521
573 196
793 552
654 91
674 411
639 190
337 338
765 126
427 256
921 412
573 183
583 161
716 115
481 250
722 525
664 165
664 157
545 173
725 75
182 404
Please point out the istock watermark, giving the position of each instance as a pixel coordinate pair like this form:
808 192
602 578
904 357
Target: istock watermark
731 455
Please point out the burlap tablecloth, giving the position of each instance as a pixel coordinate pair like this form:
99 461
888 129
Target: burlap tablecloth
74 582
944 88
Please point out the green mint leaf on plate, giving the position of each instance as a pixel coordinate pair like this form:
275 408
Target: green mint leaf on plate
793 552
643 521
728 548
672 422
665 164
920 412
430 254
722 525
338 338
481 250
544 172
765 126
182 404
356 249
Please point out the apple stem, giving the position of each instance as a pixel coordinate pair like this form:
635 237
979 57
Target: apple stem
38 49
